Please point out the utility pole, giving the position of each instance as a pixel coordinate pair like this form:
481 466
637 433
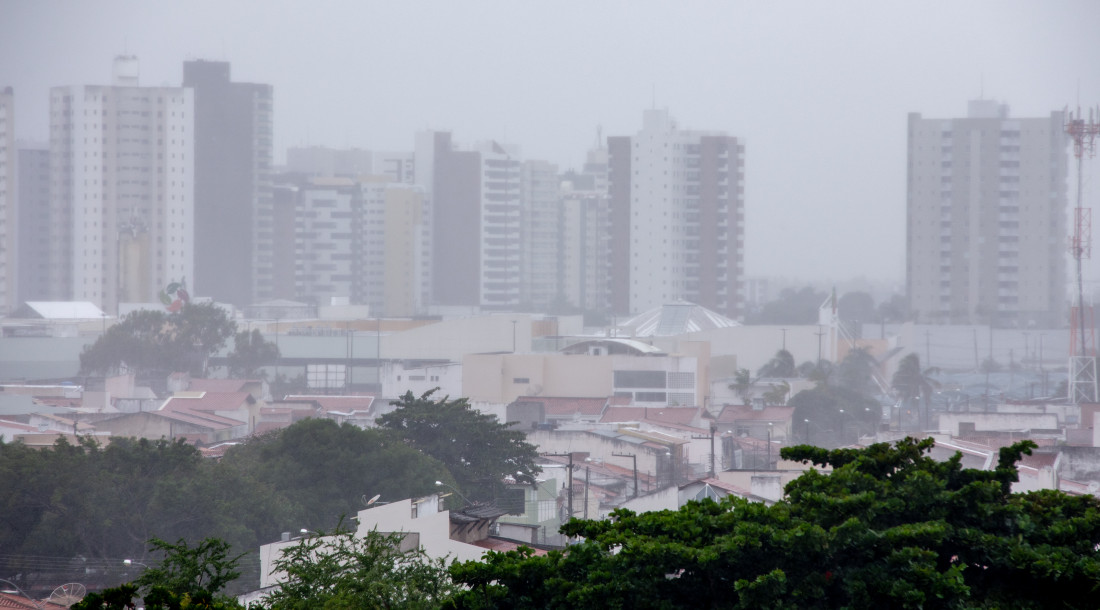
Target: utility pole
634 459
784 331
713 428
820 333
927 348
570 475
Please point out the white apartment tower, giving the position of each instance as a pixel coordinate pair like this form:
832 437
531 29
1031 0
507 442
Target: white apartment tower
8 220
122 189
677 218
541 235
986 225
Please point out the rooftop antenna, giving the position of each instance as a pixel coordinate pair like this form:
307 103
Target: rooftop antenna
1082 359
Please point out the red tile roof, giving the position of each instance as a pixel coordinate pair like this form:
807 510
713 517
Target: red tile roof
338 404
683 416
210 401
501 546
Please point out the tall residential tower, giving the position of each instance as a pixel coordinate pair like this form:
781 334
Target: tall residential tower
234 225
122 161
986 221
677 218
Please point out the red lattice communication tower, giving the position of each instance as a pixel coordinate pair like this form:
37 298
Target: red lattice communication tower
1083 373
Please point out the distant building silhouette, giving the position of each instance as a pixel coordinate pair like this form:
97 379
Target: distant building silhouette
233 228
987 218
8 219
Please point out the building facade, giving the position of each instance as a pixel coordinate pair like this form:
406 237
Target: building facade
122 216
541 236
677 218
8 233
986 220
234 232
32 200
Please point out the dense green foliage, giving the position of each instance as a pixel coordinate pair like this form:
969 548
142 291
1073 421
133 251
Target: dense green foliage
148 341
888 528
104 503
343 570
187 577
836 415
478 449
251 352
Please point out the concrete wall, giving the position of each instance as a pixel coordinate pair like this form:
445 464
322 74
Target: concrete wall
985 422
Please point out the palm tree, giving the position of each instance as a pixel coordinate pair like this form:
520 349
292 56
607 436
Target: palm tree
742 384
912 384
781 365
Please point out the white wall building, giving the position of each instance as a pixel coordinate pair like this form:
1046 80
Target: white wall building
122 196
677 216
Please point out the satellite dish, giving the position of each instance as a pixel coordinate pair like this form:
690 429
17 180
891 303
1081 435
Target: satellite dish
67 595
372 500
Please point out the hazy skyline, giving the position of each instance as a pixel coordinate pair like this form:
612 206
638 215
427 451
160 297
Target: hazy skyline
820 91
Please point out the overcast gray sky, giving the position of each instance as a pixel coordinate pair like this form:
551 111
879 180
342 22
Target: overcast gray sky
820 90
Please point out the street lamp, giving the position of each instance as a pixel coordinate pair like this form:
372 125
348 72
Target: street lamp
131 562
807 431
464 499
37 604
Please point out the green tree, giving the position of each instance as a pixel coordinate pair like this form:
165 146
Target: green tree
888 528
792 307
856 371
345 571
856 306
188 577
914 387
742 384
477 449
321 470
149 341
251 352
837 415
205 567
781 365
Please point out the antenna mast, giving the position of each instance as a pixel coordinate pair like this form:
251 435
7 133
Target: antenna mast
1082 359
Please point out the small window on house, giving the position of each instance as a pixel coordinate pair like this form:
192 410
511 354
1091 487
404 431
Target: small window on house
521 380
416 378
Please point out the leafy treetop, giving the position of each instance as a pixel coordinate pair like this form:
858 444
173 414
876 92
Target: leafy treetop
477 449
888 528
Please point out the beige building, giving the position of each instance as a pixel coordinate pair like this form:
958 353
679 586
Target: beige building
635 371
987 218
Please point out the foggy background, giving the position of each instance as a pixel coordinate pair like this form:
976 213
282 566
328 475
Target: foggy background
820 91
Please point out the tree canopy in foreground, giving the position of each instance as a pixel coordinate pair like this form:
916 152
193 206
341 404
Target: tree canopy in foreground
889 528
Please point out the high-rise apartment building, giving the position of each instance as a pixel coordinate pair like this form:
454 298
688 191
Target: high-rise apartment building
585 235
986 223
541 235
122 161
8 232
32 197
475 224
234 223
361 240
677 218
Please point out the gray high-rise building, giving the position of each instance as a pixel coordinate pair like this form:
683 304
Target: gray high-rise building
8 234
986 223
32 197
234 232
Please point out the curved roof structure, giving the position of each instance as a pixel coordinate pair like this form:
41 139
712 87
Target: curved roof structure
677 319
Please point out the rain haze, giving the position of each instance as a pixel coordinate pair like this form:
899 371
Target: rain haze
819 91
